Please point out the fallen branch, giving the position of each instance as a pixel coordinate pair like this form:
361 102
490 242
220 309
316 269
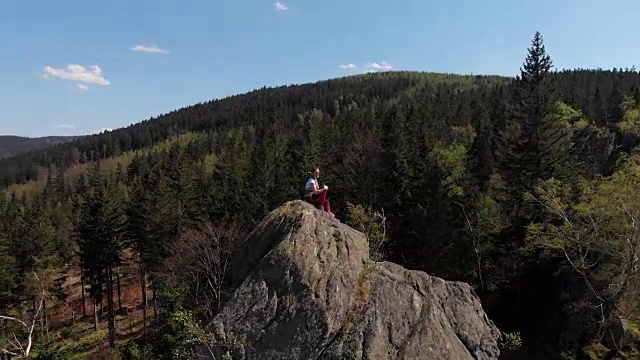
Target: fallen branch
476 242
18 349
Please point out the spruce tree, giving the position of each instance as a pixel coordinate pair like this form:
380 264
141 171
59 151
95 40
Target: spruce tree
313 144
114 228
534 142
99 232
532 105
7 268
397 150
87 233
269 166
139 208
189 193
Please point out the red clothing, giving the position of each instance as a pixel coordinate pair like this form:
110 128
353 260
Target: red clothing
319 199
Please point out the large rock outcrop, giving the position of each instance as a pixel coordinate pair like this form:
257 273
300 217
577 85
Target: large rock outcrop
306 289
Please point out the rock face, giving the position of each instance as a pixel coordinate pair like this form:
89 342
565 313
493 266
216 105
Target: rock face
306 289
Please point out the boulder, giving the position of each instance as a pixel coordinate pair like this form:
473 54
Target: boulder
306 289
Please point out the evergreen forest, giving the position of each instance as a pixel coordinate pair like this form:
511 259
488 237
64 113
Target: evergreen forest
526 187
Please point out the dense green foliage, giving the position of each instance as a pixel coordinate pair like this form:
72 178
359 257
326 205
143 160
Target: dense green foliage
485 180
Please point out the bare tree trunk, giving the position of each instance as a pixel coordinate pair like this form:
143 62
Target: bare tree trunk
84 311
145 280
119 291
130 324
155 300
143 288
42 318
45 315
110 313
95 315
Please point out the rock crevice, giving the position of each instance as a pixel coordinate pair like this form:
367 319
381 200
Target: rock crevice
307 289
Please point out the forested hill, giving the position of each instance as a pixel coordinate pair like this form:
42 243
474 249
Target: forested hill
598 93
11 145
525 188
258 109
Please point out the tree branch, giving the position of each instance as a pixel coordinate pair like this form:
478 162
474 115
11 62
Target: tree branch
14 319
17 345
476 243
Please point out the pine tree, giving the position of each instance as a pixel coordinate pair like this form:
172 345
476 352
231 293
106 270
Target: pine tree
87 235
189 192
99 232
33 244
7 264
269 169
398 148
313 144
532 106
139 208
534 145
60 187
164 222
114 228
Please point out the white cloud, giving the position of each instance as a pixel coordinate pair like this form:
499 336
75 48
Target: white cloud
82 87
280 6
78 73
369 67
149 49
378 66
66 126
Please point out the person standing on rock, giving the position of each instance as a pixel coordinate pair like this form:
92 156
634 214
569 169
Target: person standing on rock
314 194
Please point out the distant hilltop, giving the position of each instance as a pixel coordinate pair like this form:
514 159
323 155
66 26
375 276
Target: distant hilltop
11 144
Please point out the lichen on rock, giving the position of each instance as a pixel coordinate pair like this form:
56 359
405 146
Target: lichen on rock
306 289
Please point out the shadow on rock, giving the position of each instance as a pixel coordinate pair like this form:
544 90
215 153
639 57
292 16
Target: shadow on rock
306 289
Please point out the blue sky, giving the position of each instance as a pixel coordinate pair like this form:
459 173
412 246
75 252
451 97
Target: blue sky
211 49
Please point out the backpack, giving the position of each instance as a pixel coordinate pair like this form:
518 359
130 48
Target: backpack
306 192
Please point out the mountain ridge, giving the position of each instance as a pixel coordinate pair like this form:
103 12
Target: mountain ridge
11 145
283 101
